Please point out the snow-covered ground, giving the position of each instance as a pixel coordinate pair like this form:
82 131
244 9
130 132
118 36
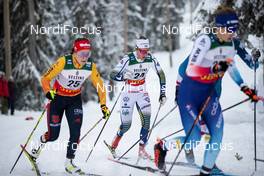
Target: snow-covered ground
238 131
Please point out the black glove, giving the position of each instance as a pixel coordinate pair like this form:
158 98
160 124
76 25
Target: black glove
51 95
105 111
221 66
162 99
251 93
255 53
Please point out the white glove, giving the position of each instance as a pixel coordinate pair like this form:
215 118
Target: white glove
127 75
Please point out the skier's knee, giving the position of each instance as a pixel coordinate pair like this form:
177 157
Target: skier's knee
194 139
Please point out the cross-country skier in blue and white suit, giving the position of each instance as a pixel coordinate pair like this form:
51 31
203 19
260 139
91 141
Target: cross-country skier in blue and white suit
201 73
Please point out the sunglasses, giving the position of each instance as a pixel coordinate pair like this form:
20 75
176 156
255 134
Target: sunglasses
84 54
143 51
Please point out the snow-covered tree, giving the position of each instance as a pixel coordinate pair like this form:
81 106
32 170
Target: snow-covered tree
144 18
251 18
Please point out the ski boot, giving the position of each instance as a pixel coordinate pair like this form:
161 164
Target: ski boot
160 154
216 170
35 152
71 168
205 171
114 145
142 153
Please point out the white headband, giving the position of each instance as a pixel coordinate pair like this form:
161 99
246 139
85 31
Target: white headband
142 43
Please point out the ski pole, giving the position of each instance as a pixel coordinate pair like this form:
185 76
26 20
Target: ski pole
165 116
255 115
182 128
140 137
190 131
154 121
230 107
28 139
104 125
172 134
260 160
91 129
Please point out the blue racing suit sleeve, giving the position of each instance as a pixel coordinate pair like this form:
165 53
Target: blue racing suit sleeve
244 55
182 67
235 75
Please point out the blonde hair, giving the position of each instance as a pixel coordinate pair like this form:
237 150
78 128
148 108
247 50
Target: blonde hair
222 9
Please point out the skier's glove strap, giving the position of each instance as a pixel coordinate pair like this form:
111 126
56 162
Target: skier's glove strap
51 95
162 99
105 111
251 93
